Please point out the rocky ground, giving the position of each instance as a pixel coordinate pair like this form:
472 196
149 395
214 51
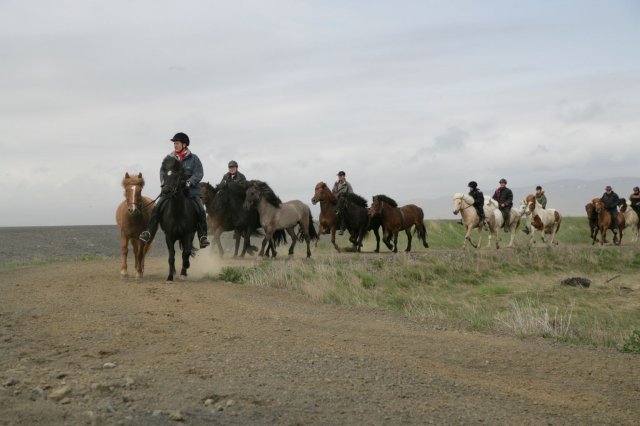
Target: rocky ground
80 345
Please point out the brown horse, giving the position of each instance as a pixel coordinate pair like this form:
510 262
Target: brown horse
132 216
593 221
396 219
328 219
605 223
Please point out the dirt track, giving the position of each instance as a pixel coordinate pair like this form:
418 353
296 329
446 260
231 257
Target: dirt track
208 352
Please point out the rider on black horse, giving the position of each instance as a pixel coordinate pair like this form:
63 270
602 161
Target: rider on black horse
193 174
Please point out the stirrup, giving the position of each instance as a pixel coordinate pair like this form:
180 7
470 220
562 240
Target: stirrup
145 236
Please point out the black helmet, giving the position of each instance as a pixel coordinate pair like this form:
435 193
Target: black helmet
232 164
636 189
473 184
503 180
181 137
341 173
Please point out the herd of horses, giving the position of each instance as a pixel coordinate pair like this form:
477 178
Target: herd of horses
253 209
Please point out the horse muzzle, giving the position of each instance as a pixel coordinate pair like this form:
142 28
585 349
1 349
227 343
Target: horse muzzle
314 201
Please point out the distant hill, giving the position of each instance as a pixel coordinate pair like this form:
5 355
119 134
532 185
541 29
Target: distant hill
569 196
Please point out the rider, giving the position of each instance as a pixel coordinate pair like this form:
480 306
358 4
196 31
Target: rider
233 175
342 187
504 197
478 201
635 200
610 200
193 174
540 197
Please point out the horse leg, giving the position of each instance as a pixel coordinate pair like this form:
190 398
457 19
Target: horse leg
172 258
467 237
409 238
124 246
307 238
377 234
333 238
138 251
264 243
216 239
395 242
319 233
292 233
236 237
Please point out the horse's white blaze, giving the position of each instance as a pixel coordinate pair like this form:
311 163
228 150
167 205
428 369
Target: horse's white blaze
132 203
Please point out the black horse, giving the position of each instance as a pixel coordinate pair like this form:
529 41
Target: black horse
179 217
353 209
226 213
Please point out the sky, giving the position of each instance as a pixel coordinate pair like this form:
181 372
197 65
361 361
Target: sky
411 99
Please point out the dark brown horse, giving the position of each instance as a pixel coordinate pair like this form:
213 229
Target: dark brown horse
605 222
328 219
593 221
396 219
132 216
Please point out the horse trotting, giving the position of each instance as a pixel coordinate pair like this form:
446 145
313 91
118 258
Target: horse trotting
132 216
463 204
605 222
327 221
352 208
631 219
547 221
274 215
179 217
496 221
396 219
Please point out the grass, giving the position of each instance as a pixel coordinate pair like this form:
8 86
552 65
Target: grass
507 291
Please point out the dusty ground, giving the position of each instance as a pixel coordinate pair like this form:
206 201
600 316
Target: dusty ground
79 345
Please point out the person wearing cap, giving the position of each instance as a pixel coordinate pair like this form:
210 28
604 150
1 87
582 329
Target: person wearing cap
193 173
634 199
504 197
610 200
478 201
233 175
342 187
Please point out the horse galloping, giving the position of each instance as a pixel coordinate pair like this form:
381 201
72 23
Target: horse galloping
547 221
353 209
274 215
132 217
327 222
496 220
605 222
631 219
463 204
396 219
179 217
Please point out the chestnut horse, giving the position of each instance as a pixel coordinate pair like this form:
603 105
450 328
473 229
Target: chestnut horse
547 221
328 219
605 222
396 219
593 221
132 216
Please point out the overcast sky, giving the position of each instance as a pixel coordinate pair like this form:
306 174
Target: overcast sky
411 98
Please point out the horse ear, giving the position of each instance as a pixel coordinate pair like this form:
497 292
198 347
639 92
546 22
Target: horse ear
140 175
126 175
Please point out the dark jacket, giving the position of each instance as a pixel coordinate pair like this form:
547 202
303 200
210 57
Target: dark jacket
504 197
610 201
193 173
635 199
228 177
478 198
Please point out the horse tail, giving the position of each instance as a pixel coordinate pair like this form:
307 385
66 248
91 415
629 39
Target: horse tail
422 230
313 234
279 237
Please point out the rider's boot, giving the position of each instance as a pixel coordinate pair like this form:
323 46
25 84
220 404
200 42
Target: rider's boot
147 235
202 226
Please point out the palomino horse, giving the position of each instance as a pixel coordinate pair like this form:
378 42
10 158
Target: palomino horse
274 215
327 220
605 223
132 216
496 220
179 216
547 221
593 221
463 204
630 219
396 219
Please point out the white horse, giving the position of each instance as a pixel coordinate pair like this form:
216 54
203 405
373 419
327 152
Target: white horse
463 204
493 213
631 219
547 221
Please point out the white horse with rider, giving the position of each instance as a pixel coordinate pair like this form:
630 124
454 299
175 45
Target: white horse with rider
547 221
463 204
631 219
496 215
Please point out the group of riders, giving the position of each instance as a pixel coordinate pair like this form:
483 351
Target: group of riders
504 197
193 174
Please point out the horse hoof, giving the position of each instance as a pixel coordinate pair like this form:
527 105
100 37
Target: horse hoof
138 275
182 277
124 274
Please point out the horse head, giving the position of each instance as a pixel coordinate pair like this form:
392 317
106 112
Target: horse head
322 193
256 190
457 202
172 176
530 201
623 204
133 193
488 201
598 205
208 192
378 204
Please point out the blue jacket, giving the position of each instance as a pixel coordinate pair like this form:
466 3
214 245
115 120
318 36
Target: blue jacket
193 173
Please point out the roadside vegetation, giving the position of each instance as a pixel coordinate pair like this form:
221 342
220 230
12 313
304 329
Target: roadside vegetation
507 291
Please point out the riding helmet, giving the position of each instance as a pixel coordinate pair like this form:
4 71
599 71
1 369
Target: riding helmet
473 184
232 164
341 173
636 189
181 137
503 180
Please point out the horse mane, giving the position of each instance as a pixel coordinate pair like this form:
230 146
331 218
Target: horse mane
133 180
466 197
386 199
356 199
171 163
488 201
266 191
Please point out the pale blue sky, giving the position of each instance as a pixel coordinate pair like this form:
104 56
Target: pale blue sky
410 98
